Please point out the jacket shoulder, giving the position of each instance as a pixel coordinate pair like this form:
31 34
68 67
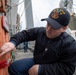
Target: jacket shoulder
68 39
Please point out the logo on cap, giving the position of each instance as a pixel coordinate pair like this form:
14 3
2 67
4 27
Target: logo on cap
57 12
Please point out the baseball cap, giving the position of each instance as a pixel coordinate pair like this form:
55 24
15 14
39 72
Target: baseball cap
58 18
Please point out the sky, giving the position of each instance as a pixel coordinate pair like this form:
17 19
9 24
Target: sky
41 9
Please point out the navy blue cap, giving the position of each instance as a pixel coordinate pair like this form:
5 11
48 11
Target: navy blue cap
58 18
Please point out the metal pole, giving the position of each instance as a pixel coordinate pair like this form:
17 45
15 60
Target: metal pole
28 13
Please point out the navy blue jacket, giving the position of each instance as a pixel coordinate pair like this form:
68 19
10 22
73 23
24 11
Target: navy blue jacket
55 56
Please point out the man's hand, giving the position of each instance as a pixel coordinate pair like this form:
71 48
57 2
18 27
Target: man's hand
7 47
33 70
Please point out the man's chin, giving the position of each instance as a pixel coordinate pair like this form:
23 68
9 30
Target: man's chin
48 36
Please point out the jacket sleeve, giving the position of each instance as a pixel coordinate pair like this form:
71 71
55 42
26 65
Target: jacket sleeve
25 35
66 63
56 69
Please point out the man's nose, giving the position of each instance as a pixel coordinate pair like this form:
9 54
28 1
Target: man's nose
49 28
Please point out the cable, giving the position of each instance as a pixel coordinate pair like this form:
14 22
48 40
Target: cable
37 17
18 4
34 12
20 8
25 8
27 5
17 1
22 13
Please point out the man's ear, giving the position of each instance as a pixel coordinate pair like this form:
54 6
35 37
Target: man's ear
64 28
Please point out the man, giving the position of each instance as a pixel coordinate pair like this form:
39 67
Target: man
25 46
55 50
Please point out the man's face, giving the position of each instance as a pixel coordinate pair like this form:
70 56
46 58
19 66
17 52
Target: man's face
51 32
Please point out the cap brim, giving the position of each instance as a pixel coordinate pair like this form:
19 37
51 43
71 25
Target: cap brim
53 23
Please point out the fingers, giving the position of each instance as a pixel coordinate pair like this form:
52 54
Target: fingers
7 47
4 47
4 52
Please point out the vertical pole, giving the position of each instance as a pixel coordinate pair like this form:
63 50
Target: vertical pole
28 13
